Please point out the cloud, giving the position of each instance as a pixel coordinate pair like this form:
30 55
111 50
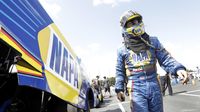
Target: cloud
52 8
113 3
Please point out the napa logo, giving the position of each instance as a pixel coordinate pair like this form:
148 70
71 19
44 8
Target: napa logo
57 57
142 58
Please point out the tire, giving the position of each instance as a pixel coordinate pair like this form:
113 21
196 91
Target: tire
88 103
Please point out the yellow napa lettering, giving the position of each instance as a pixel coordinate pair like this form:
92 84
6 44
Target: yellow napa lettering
66 43
57 85
131 57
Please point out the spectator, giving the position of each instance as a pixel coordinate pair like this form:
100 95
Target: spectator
198 73
96 84
165 81
106 85
192 77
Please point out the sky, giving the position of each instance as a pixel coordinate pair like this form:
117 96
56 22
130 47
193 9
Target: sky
92 28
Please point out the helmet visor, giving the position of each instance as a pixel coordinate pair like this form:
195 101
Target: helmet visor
133 22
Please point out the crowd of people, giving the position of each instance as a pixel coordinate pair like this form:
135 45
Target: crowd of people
166 80
102 86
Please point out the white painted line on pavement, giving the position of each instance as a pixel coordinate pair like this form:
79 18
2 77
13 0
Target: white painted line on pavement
121 107
113 104
192 91
188 93
119 103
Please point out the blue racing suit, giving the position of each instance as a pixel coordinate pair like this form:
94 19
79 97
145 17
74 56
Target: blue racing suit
140 70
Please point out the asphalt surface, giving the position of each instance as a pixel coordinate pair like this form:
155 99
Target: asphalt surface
186 98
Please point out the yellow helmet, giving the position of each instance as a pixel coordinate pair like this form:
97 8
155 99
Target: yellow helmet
135 30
